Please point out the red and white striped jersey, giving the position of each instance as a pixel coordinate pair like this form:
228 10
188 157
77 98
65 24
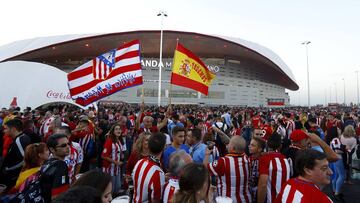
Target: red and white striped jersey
153 129
319 120
45 126
169 190
84 142
233 175
79 150
72 160
114 152
301 191
148 179
277 167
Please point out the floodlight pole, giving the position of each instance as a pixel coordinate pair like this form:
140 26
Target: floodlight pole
162 14
306 43
357 85
344 92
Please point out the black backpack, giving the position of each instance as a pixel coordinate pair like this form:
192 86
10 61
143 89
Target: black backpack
31 192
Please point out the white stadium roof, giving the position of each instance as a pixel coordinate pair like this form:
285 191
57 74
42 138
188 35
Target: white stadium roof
17 49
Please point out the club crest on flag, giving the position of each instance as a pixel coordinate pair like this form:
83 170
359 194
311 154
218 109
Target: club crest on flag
103 65
185 68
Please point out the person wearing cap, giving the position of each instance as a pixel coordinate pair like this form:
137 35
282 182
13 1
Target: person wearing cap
301 140
314 127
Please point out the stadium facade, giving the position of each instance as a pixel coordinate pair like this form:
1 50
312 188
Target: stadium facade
247 74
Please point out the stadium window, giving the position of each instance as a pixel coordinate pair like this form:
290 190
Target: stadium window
183 94
214 95
150 92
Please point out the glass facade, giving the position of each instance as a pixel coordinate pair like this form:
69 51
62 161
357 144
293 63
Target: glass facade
150 92
214 95
183 94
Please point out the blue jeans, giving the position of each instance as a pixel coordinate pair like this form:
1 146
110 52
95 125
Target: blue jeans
339 176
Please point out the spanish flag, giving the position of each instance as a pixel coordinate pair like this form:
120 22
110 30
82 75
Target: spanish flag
189 71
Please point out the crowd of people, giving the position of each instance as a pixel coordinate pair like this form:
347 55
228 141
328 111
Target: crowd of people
178 153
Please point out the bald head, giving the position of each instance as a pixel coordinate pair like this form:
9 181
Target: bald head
237 144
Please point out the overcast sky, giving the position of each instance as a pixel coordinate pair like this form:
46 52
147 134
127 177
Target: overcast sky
332 26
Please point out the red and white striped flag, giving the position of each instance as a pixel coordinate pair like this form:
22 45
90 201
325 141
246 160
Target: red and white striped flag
106 74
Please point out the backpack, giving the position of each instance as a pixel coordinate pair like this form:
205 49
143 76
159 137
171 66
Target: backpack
31 192
356 159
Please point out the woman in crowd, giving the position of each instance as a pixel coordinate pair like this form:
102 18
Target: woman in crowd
339 170
140 150
194 185
98 180
35 155
112 156
348 139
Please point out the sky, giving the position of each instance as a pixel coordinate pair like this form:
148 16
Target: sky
332 26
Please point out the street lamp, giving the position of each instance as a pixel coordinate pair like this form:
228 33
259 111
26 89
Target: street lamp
306 43
357 84
162 14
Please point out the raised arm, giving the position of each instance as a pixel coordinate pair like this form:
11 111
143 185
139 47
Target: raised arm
137 122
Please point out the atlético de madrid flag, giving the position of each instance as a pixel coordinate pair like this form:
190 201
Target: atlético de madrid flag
106 74
189 71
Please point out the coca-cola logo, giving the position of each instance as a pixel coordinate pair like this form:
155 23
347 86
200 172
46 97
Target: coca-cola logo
57 95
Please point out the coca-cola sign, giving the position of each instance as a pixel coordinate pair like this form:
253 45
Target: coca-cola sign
58 95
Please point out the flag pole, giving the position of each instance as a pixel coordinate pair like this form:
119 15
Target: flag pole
142 94
170 89
162 14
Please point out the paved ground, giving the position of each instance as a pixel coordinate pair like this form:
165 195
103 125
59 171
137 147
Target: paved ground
351 192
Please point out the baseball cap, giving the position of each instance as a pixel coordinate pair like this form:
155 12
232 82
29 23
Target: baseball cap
298 135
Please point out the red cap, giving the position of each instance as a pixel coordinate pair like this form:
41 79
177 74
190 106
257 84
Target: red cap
298 135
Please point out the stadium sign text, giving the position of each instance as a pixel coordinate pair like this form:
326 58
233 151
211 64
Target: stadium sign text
153 63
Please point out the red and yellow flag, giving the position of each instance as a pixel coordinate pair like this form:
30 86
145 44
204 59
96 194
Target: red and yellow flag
189 71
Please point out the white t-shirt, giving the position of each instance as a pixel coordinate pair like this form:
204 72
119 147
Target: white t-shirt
349 142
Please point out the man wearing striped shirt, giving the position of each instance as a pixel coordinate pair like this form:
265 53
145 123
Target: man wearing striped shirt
315 173
274 171
232 171
148 177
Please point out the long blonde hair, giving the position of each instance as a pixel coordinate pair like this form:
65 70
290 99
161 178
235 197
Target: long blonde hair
349 131
139 143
